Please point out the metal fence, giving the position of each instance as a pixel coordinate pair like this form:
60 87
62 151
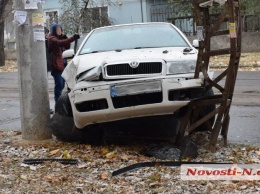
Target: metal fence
167 14
251 23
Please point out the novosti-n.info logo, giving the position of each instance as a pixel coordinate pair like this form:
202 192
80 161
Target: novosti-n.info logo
220 172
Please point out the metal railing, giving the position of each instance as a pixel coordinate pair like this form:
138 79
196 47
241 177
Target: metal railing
168 14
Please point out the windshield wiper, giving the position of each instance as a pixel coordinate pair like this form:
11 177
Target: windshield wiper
95 52
141 47
91 52
187 50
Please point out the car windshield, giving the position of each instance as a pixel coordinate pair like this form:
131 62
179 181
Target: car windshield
133 37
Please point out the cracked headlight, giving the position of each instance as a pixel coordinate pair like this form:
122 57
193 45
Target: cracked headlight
180 67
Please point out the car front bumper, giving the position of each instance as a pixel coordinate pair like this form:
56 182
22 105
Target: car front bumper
104 101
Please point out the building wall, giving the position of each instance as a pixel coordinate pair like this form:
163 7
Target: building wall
128 11
9 30
119 11
51 4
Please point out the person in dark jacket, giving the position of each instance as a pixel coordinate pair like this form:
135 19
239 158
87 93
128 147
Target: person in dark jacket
57 43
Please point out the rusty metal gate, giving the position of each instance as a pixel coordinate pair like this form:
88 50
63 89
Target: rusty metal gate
208 27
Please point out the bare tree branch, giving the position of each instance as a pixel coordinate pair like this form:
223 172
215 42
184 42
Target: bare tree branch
83 14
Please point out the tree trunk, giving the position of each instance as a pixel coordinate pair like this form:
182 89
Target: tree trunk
2 53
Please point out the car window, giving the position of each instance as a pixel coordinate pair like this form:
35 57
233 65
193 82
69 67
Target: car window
133 36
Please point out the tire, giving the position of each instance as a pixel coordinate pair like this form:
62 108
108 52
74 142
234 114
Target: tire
64 129
207 110
63 106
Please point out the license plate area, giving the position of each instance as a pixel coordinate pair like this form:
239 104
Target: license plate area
136 88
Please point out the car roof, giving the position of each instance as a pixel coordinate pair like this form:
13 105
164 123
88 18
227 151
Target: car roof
134 24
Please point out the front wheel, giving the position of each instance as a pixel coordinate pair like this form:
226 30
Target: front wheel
63 106
64 129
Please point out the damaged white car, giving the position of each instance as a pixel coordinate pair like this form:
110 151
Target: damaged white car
130 71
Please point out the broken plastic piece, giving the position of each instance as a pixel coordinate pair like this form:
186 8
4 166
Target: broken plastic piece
41 160
154 164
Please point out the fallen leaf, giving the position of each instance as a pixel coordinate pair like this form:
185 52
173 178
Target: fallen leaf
255 160
155 177
249 148
65 152
242 187
24 177
24 165
80 166
124 157
52 179
33 168
250 184
104 151
66 155
7 160
87 147
104 176
110 155
79 190
154 184
54 152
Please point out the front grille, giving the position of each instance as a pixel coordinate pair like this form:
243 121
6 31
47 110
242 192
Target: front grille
125 69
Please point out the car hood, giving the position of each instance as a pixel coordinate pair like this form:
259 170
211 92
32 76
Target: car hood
89 61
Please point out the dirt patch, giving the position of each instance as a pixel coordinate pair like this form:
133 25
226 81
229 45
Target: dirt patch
17 141
10 66
248 62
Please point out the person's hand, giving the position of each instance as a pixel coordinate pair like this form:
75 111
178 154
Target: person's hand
64 36
76 36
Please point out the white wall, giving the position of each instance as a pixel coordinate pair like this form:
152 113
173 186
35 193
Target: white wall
128 11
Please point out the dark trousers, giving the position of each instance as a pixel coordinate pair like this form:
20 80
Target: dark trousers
59 83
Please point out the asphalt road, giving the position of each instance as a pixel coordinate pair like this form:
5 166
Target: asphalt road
245 111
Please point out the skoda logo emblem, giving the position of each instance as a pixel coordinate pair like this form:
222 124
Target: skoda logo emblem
134 64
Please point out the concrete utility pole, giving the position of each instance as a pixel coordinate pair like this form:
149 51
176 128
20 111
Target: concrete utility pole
33 82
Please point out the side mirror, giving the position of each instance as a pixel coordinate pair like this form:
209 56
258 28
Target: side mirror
195 43
68 54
